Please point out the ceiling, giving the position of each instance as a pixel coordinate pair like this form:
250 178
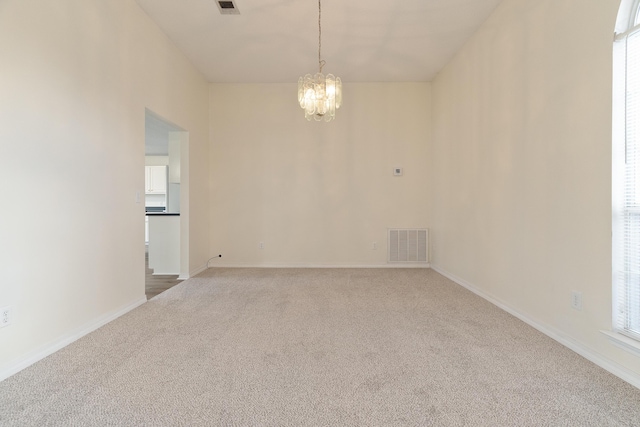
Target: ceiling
276 41
156 134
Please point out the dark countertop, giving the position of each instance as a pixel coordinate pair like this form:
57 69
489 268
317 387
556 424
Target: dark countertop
163 213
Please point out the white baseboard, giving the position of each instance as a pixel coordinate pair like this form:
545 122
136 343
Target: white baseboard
67 339
197 271
584 351
312 265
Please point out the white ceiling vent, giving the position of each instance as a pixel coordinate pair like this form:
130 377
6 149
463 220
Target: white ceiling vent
227 7
409 245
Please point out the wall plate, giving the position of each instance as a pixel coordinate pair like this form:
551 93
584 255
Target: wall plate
5 316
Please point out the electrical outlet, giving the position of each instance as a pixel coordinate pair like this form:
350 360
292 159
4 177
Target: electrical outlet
261 245
576 300
374 246
5 316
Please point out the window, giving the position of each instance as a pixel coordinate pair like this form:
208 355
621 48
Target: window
626 172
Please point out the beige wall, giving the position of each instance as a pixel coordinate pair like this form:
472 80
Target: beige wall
75 80
315 193
521 167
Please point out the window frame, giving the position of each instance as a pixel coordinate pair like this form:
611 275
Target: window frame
628 24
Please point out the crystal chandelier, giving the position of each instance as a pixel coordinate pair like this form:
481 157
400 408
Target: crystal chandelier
320 95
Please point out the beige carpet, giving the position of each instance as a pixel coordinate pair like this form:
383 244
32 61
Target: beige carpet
326 347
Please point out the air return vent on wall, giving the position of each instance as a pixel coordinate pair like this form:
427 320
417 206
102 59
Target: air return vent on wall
227 7
409 245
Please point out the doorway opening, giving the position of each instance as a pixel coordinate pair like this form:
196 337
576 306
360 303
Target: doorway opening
165 245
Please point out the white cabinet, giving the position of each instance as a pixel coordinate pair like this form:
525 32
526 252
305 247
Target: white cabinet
155 179
164 243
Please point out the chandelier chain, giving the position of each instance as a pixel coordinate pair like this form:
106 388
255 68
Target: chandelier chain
321 63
